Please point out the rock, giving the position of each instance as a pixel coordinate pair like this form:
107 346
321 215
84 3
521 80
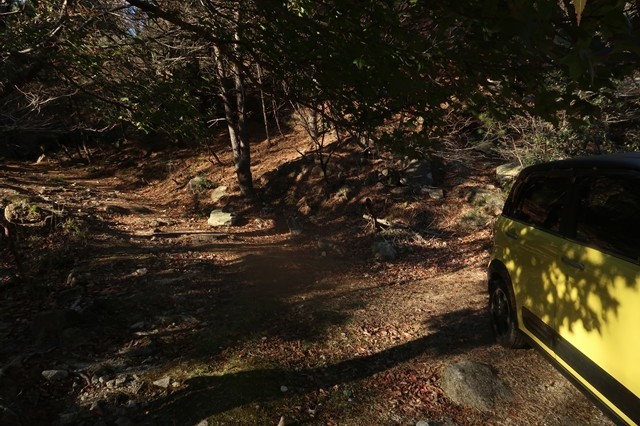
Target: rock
295 225
115 209
24 211
422 423
138 326
383 250
55 375
198 185
326 245
475 385
218 217
485 147
507 172
476 195
218 193
401 190
284 388
95 379
418 172
159 222
163 383
434 193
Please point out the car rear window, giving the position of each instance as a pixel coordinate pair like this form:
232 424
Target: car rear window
608 215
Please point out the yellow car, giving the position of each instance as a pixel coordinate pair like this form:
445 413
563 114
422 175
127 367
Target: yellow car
565 274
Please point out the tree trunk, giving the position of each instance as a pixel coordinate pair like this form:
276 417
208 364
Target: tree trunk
264 108
242 150
234 111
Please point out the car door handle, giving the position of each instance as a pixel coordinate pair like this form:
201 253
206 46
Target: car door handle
573 263
512 235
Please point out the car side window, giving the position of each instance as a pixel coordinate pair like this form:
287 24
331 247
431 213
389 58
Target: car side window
541 201
608 215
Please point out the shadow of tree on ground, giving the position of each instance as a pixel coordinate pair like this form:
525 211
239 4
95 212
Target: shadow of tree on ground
205 396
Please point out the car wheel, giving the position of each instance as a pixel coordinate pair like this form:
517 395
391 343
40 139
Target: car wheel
502 309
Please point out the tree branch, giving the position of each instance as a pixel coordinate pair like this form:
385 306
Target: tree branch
176 20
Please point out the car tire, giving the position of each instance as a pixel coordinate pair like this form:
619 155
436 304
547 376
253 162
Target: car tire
502 309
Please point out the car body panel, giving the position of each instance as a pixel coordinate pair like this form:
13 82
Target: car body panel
529 260
599 316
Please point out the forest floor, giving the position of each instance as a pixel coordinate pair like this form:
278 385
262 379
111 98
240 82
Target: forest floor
140 312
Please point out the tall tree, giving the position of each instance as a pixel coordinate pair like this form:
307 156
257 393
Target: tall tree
155 65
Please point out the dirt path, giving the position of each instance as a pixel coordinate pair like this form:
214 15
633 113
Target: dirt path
181 323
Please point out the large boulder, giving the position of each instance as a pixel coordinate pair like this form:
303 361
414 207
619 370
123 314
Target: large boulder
507 172
475 385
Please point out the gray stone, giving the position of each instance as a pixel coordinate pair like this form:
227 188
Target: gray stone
435 193
507 172
163 383
422 423
475 385
383 250
400 190
199 184
159 222
418 172
218 193
55 375
219 217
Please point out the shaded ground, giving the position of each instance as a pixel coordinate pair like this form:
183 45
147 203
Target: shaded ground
160 319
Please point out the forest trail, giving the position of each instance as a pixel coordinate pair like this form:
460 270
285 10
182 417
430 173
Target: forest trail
145 314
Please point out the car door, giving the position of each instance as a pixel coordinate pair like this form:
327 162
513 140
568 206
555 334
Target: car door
598 302
532 251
